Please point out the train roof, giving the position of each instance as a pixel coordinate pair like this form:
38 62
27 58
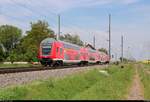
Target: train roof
48 40
51 40
69 43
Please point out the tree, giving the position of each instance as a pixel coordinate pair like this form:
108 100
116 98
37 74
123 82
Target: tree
38 32
127 60
103 50
12 57
75 39
9 36
30 43
1 55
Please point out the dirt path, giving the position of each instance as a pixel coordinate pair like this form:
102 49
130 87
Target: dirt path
136 91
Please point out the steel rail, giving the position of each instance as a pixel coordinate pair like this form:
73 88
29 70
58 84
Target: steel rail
30 69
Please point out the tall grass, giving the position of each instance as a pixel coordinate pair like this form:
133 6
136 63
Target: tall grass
145 78
15 65
89 85
113 87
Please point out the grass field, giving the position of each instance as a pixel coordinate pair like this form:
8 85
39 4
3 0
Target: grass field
144 72
89 85
15 65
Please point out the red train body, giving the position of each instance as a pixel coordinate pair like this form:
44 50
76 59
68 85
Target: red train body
53 52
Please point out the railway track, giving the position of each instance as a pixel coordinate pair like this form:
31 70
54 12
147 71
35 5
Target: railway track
29 69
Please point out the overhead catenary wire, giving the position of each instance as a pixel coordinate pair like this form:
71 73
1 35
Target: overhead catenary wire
35 12
31 10
72 26
38 15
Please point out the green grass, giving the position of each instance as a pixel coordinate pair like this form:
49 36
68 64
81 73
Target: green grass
15 65
145 78
89 85
113 87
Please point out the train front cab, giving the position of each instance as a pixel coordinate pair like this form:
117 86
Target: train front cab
45 51
50 52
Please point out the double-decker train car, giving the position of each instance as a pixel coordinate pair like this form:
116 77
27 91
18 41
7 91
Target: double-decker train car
84 55
93 56
104 58
54 52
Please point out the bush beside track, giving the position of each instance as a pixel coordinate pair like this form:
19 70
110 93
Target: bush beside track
144 72
89 85
16 65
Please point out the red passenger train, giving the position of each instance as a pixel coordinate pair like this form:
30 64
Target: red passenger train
54 52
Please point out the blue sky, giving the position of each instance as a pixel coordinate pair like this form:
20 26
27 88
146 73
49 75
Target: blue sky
87 18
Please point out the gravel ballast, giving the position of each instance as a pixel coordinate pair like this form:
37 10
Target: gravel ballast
27 77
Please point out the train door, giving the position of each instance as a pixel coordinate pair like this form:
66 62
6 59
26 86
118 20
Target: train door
59 52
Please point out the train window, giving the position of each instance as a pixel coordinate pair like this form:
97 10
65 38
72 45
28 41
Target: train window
92 51
71 46
64 45
61 51
57 50
46 51
46 44
77 48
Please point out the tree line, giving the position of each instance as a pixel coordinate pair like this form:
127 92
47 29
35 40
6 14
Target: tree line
14 46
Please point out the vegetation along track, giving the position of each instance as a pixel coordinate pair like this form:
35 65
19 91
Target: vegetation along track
29 69
27 77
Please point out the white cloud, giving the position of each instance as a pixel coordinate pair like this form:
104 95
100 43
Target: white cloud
2 2
17 8
129 1
63 5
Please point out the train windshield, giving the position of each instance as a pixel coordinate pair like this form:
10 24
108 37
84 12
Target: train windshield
46 50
